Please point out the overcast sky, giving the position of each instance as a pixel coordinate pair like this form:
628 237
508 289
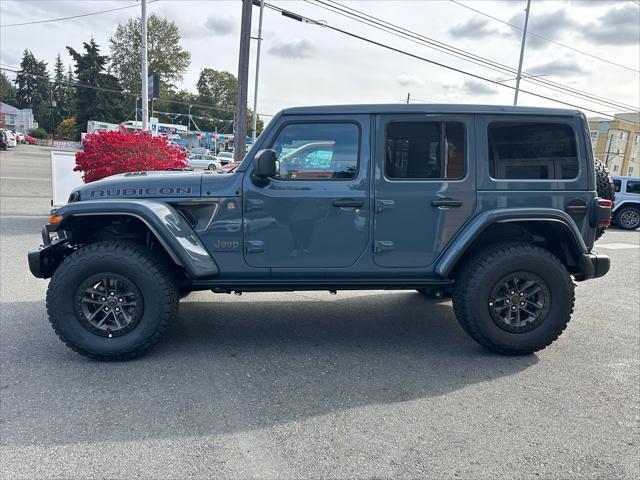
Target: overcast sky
305 64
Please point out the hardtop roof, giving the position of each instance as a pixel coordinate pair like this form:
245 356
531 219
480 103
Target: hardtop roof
426 108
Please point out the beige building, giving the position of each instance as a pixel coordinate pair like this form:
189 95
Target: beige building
617 142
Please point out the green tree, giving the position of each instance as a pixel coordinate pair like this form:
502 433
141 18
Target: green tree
7 90
33 88
218 88
101 103
165 55
62 92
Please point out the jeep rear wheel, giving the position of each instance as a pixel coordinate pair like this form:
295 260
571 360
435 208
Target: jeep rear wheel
628 218
111 300
513 299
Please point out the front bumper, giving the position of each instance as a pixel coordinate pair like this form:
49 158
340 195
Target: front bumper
44 260
593 265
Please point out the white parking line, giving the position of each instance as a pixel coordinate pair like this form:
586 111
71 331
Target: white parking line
617 246
26 178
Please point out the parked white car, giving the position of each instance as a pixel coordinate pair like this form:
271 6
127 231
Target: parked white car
11 139
208 162
225 157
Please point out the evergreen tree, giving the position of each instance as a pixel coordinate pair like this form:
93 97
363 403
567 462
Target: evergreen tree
70 92
7 90
95 103
61 92
34 89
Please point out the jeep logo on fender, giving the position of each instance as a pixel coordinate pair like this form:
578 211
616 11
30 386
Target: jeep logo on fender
134 192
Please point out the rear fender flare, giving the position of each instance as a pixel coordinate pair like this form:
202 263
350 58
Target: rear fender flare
164 222
456 250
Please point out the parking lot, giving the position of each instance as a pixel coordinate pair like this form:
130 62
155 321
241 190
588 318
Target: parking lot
310 385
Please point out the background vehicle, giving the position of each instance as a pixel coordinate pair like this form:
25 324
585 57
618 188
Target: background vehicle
225 157
626 209
229 167
207 162
496 206
3 140
29 139
11 139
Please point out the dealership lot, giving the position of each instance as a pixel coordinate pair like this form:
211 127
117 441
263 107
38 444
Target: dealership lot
308 385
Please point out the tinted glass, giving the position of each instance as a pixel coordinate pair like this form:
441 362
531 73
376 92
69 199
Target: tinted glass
317 151
425 150
633 187
532 151
617 184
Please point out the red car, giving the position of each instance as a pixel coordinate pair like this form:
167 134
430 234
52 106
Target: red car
29 139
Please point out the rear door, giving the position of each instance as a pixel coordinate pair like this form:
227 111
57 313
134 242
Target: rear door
424 186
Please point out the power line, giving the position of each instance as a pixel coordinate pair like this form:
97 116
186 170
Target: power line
304 19
464 55
71 17
544 37
129 94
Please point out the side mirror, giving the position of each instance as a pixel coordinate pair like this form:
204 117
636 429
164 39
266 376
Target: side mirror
264 164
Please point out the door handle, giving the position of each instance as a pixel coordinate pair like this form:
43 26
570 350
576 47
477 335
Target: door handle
446 202
348 203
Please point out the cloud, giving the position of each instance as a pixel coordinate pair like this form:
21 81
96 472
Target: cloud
617 26
475 27
552 25
472 87
564 67
295 48
409 80
221 25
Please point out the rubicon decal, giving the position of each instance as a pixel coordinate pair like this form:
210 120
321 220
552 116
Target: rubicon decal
136 192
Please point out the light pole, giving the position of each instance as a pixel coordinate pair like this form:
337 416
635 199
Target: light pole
240 131
144 74
189 119
255 89
524 38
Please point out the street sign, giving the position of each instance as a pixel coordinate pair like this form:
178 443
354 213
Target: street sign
154 86
153 122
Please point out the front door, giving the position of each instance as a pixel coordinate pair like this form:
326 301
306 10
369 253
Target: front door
315 212
424 188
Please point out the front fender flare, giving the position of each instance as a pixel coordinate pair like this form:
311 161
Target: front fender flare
168 226
480 223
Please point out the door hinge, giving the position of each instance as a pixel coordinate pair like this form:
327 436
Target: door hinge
383 205
253 246
253 204
382 246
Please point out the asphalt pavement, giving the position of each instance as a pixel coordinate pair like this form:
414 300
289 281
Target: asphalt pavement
310 385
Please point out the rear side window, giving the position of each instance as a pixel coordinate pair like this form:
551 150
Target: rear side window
617 184
425 150
532 151
633 187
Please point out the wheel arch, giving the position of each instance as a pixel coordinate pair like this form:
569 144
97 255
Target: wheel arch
168 227
551 229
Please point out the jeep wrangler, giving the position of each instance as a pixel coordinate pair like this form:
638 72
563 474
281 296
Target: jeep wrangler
495 206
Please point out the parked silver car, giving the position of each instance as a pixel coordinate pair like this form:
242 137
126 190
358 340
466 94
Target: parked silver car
207 162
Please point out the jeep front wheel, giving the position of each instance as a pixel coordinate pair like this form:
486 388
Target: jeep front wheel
111 300
514 299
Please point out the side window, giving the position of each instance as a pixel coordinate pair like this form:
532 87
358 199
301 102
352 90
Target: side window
633 187
425 150
317 151
532 151
616 185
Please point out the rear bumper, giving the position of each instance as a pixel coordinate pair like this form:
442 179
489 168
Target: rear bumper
593 265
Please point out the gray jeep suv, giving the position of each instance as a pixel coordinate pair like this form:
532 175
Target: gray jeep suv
495 206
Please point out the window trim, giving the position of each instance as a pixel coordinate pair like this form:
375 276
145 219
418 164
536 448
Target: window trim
312 122
440 179
534 180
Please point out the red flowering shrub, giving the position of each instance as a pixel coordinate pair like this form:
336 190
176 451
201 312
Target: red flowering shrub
109 153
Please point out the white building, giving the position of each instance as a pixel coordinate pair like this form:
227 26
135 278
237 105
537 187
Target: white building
16 119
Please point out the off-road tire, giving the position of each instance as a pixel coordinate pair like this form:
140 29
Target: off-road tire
480 274
148 272
604 187
623 210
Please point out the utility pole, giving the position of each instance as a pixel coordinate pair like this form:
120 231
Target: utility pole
524 39
144 74
255 89
408 97
240 133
